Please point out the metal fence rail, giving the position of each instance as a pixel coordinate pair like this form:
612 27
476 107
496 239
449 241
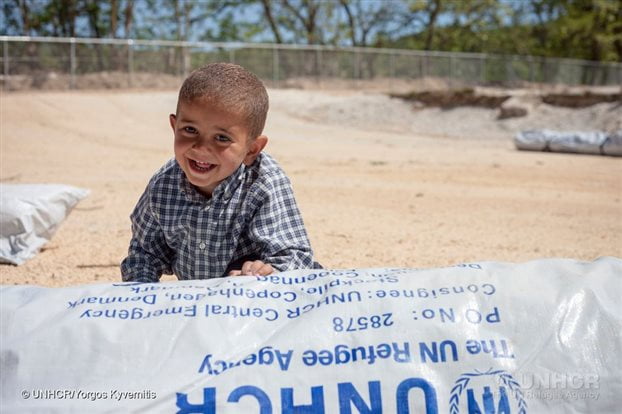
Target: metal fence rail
47 62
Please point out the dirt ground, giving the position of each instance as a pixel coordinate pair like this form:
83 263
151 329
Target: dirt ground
379 183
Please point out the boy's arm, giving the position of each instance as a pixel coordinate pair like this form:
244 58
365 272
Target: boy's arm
279 231
148 255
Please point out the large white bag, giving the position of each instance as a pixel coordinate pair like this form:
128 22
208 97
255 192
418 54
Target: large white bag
30 214
538 337
585 142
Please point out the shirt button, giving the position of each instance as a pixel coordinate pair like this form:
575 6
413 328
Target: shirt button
202 245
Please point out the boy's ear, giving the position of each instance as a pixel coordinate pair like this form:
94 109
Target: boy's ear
255 147
172 119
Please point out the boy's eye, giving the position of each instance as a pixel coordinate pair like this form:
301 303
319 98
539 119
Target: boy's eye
223 138
190 130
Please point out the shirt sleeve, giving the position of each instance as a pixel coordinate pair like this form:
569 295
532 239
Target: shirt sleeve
149 256
278 230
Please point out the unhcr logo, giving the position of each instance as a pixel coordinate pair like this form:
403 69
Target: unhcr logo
490 392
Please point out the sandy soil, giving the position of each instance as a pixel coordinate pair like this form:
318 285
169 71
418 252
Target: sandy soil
378 182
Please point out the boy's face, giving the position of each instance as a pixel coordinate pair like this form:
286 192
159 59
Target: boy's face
211 143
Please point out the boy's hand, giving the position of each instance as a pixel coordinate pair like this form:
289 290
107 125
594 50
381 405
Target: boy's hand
253 268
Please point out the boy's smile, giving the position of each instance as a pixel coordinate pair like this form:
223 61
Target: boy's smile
211 143
201 167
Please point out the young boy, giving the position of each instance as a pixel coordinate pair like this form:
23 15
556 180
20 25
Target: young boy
221 206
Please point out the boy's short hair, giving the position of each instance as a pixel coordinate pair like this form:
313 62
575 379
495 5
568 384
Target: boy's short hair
232 88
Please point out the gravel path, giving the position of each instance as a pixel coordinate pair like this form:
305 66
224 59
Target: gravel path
378 183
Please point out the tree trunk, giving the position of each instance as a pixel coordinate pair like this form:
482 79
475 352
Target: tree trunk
92 11
346 8
267 9
129 14
307 22
113 18
436 8
25 12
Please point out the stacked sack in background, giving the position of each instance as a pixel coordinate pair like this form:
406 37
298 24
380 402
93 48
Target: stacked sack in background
590 142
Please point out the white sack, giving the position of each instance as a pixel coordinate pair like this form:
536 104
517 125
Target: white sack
533 139
30 214
613 145
584 142
538 337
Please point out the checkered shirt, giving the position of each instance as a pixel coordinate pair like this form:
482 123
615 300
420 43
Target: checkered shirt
252 215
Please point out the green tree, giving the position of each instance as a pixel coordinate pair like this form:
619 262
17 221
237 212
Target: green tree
585 29
589 29
366 20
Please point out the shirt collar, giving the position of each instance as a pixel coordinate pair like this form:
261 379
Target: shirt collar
227 186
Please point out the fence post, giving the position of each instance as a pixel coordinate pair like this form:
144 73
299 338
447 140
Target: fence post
507 71
72 63
232 55
391 70
5 58
130 62
186 53
318 66
275 66
452 80
511 71
482 70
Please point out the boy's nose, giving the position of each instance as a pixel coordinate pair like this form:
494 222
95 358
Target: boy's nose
202 144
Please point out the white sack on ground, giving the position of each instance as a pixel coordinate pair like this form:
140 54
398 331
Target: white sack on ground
30 214
585 142
538 337
613 145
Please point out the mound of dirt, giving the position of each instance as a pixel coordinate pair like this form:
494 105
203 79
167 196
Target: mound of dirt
373 111
454 98
448 99
573 100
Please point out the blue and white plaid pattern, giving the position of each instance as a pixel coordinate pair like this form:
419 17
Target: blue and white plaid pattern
252 215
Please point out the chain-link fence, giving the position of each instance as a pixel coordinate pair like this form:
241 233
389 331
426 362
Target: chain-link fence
57 63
